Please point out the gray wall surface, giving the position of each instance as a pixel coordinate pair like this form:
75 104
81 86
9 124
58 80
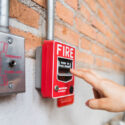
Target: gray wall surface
30 108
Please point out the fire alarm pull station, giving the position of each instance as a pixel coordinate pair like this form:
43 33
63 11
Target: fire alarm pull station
56 60
12 68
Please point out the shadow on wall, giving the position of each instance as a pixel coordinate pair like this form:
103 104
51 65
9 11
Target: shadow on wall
47 102
7 98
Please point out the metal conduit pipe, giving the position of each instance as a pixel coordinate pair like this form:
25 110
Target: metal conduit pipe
4 15
50 19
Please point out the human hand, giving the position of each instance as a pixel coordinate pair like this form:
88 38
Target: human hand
108 95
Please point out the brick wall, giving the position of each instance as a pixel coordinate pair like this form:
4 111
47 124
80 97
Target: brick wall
95 27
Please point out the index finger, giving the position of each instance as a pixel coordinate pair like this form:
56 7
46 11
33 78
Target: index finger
88 76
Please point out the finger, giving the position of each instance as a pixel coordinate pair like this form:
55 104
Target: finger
90 71
88 76
101 104
77 72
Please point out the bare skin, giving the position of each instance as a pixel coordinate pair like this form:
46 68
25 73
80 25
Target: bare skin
109 95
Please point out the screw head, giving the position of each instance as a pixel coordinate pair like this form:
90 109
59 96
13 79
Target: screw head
10 85
10 40
56 88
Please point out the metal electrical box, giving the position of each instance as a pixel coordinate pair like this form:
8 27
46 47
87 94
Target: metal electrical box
12 64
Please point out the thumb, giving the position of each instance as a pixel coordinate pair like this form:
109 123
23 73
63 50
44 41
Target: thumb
98 104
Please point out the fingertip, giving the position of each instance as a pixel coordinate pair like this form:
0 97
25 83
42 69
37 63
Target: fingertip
92 104
72 71
87 103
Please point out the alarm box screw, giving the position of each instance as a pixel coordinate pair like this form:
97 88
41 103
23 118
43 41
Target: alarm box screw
56 88
10 40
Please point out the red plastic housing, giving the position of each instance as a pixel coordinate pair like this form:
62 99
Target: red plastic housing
57 60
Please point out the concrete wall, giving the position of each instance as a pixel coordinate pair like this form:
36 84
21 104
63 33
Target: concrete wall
30 108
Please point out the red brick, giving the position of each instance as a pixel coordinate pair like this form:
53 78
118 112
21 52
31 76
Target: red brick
97 50
108 65
103 4
100 26
99 62
118 68
92 4
116 59
110 3
66 34
84 57
118 43
101 38
121 27
107 55
105 18
111 46
85 12
119 34
109 12
123 62
115 10
109 34
22 13
120 52
64 13
31 41
40 2
72 3
85 44
85 28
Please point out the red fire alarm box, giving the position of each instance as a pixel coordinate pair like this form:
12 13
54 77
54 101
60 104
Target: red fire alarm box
57 60
53 63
